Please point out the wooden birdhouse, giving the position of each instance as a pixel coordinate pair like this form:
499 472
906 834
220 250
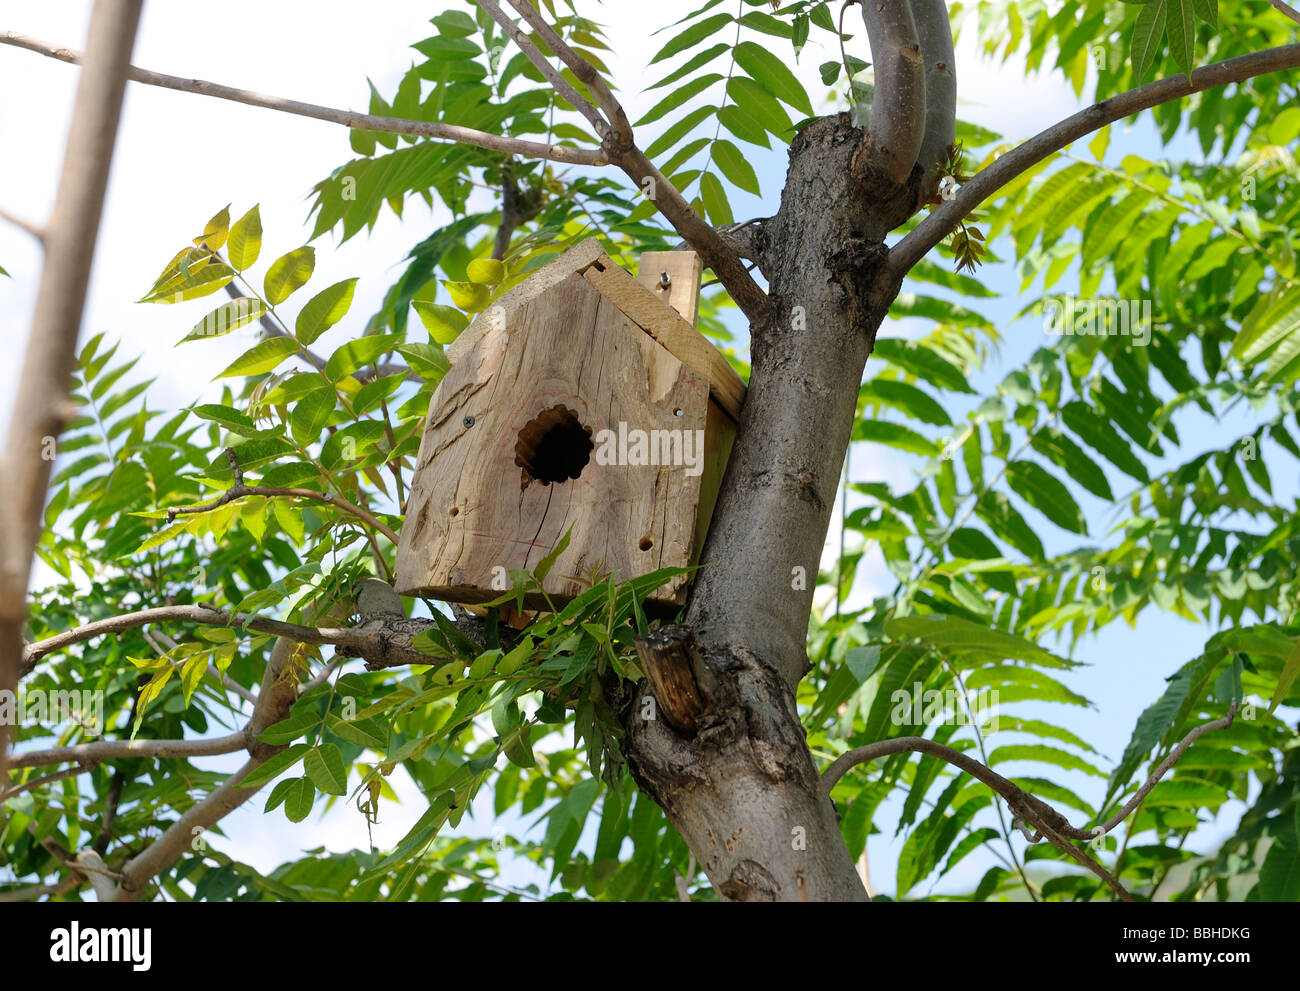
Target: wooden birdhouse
583 399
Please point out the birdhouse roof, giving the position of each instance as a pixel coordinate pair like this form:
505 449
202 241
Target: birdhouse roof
637 302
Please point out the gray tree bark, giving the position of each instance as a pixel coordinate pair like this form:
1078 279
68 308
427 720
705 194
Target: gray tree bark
741 787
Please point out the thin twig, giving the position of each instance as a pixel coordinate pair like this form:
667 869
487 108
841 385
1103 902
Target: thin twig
946 217
365 122
1049 823
1286 9
33 229
1163 768
587 74
557 81
239 490
46 779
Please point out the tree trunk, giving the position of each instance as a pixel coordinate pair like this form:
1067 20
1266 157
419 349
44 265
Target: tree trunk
728 761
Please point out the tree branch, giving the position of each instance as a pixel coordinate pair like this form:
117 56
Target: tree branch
620 148
367 122
45 779
1286 10
33 229
1048 822
587 74
279 692
42 406
102 750
935 36
239 490
896 123
945 218
543 64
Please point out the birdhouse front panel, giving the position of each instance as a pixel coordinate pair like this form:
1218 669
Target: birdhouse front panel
562 412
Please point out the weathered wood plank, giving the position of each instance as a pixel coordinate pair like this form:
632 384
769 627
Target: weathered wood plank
684 272
667 327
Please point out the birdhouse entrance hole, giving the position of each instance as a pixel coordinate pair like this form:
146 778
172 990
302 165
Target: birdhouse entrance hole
554 446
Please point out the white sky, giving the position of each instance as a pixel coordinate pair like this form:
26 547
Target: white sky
181 157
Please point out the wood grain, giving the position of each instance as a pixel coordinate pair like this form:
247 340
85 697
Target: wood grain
684 271
473 508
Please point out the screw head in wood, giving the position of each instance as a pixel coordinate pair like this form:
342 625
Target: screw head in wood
467 422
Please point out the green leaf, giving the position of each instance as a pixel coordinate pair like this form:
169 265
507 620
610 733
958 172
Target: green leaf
1276 316
692 36
324 310
488 271
922 362
1286 679
298 798
759 104
1040 489
773 75
894 435
289 273
734 166
679 96
215 230
1097 432
695 62
324 765
715 200
355 354
469 296
226 318
1279 876
1208 11
954 634
1065 453
275 766
229 418
191 283
995 509
1147 31
444 323
1182 33
310 414
289 729
915 402
245 241
261 358
545 565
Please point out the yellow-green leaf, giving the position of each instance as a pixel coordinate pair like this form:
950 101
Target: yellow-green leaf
487 271
469 296
324 765
191 283
245 242
444 323
227 317
261 357
288 273
214 232
324 310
